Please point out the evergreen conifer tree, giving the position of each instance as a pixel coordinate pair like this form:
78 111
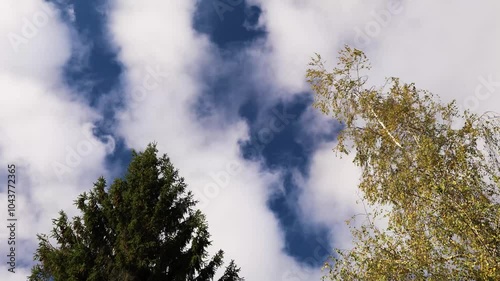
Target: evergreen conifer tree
143 228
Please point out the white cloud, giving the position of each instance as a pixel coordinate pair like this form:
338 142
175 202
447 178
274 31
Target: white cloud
330 196
41 122
331 185
159 35
443 46
448 47
298 29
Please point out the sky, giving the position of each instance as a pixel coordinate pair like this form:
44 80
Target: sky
220 86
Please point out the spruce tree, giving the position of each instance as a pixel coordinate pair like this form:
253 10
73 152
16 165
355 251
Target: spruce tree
232 273
144 227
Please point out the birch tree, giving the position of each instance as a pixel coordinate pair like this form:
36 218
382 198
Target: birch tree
435 168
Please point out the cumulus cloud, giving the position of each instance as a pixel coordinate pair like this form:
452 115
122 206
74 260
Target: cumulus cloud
46 129
159 36
298 29
448 48
445 47
419 41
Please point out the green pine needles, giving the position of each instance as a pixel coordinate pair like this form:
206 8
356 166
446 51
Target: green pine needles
143 228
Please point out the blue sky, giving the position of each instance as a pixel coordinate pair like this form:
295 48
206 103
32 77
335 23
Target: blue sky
219 84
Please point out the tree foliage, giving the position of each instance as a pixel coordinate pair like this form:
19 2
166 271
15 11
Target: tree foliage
437 170
232 273
144 227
